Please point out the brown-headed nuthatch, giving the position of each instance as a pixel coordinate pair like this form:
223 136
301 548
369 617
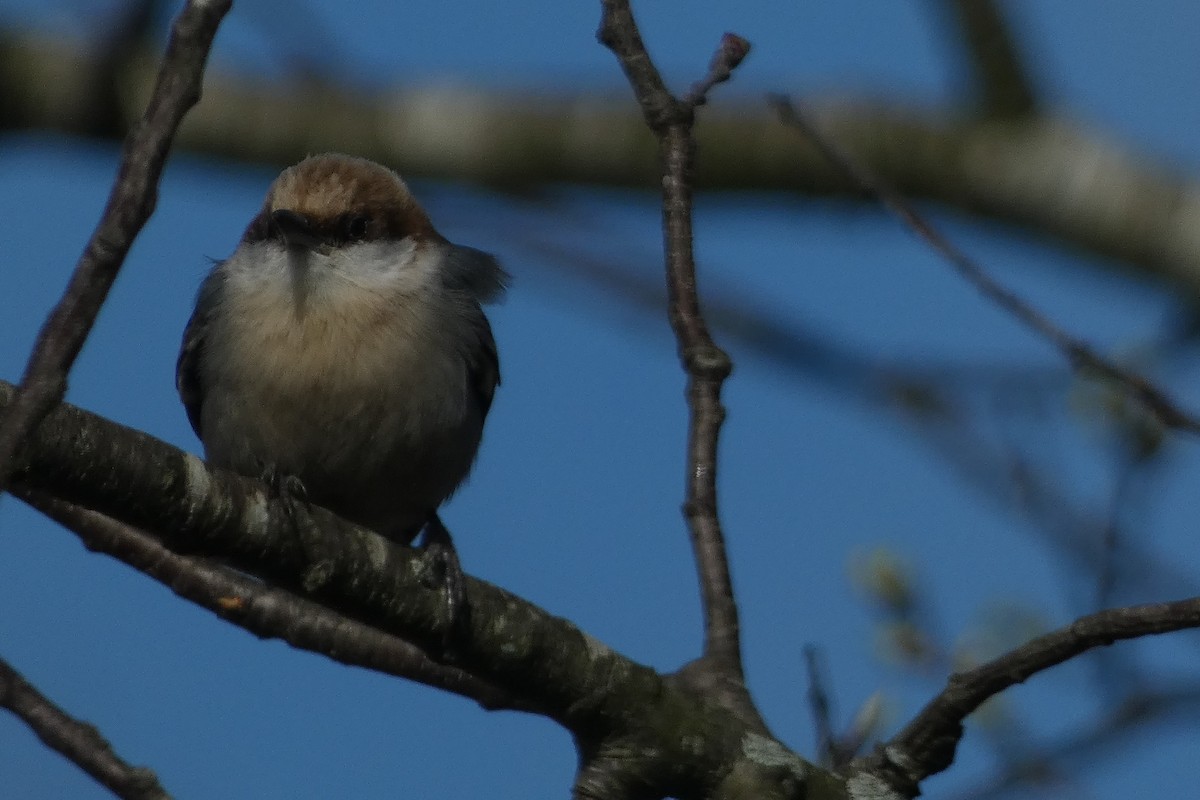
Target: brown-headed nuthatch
343 344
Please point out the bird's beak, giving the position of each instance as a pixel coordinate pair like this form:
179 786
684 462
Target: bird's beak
296 230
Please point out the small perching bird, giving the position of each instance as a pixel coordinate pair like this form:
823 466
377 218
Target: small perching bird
343 344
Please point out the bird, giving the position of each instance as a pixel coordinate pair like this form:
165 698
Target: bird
343 347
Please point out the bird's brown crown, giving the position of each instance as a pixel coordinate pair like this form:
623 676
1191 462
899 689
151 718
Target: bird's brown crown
330 189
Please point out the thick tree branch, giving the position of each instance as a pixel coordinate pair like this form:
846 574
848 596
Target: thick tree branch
927 744
129 206
264 610
78 741
614 707
144 482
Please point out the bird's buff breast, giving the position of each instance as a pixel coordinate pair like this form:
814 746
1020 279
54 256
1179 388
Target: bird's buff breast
346 348
344 371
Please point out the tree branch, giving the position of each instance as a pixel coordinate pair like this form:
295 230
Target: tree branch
1048 174
689 739
78 741
927 744
1003 85
130 204
705 365
1077 352
266 611
145 483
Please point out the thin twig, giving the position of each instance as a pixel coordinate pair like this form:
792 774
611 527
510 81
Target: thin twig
1080 355
1083 749
818 704
732 50
130 204
706 365
264 610
926 745
78 741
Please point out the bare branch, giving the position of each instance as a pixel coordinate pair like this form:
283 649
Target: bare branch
264 610
706 365
1079 354
130 204
608 702
78 741
926 745
1049 174
611 704
818 703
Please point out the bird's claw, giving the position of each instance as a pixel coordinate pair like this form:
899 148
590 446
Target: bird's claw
443 570
290 491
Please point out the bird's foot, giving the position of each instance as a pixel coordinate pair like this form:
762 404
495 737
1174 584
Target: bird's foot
284 486
290 491
443 570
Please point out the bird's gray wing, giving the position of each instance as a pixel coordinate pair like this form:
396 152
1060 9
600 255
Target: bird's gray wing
187 369
485 367
477 277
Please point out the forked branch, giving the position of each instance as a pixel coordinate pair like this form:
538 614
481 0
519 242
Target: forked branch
707 366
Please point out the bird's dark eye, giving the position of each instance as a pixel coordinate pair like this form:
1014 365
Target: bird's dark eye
356 227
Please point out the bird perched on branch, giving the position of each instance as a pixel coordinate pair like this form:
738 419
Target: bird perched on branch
342 345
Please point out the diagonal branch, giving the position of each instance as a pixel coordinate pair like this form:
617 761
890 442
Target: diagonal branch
706 365
926 745
264 610
1050 174
130 204
1077 352
613 706
145 483
78 741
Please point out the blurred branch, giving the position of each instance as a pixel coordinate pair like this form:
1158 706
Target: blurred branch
935 401
1078 353
836 750
1038 497
1047 174
264 610
1003 86
127 34
130 204
818 704
927 745
78 741
1112 729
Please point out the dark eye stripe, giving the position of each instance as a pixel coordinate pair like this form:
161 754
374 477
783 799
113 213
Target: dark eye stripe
352 226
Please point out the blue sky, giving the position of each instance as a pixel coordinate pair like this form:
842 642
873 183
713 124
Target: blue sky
574 502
